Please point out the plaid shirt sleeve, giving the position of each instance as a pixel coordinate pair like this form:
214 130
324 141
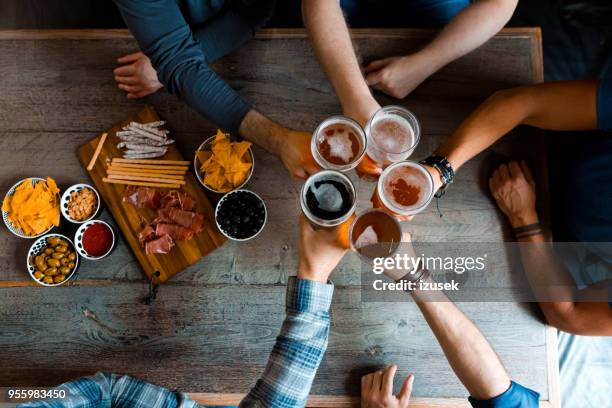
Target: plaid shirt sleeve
111 390
299 348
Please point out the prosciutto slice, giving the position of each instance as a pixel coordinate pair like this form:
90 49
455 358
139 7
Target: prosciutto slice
176 232
161 245
177 199
146 234
187 219
142 197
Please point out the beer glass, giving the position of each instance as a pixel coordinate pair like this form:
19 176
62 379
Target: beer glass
338 143
328 199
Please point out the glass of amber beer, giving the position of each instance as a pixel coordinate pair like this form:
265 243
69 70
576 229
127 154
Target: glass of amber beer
338 143
375 234
405 188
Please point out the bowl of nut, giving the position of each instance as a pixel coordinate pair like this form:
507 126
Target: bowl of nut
52 260
80 203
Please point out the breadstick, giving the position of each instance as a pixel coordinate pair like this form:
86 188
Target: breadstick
114 169
148 178
149 167
158 175
152 161
92 162
141 183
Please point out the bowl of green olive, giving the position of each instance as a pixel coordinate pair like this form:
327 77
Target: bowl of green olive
52 260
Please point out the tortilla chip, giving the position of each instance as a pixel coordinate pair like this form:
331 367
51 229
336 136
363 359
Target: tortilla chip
33 209
227 164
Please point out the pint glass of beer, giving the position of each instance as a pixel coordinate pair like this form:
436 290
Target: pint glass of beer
392 134
338 143
328 199
375 234
405 188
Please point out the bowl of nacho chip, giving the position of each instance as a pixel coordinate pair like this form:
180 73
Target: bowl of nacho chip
31 208
223 165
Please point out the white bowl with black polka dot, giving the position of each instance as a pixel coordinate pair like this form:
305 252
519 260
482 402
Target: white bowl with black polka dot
5 216
66 199
35 249
78 240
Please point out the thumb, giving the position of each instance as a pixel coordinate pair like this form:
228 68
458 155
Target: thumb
376 65
404 395
374 78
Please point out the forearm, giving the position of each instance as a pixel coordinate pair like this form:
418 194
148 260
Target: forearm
468 352
299 347
333 48
553 106
263 131
470 29
555 290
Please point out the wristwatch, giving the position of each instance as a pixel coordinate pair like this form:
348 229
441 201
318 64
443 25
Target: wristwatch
443 166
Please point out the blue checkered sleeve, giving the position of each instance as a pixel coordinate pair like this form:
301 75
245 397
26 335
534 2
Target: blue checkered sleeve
111 390
299 348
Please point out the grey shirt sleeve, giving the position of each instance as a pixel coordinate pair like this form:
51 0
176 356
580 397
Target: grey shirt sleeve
167 39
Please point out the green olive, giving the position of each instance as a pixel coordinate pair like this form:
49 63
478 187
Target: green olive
59 278
71 265
40 262
39 275
54 263
48 279
72 256
51 272
63 243
61 248
64 270
53 241
49 251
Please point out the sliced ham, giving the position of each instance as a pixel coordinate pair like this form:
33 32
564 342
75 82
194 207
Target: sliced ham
178 200
146 234
142 197
176 232
187 219
161 245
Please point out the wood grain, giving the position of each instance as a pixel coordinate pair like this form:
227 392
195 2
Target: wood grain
212 326
158 267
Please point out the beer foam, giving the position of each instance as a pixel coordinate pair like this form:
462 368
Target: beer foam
328 197
393 134
368 237
341 146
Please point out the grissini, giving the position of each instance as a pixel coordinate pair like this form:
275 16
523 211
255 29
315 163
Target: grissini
149 167
158 175
145 178
92 162
141 183
114 168
168 162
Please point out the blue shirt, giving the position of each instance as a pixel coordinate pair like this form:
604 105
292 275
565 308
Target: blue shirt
182 37
516 396
286 381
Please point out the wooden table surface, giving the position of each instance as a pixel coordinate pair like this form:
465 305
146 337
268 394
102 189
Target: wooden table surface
211 328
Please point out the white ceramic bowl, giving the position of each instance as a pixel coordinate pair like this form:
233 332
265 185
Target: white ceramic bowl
9 225
35 250
78 240
217 213
199 175
66 199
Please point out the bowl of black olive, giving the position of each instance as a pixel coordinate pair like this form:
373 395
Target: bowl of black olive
241 215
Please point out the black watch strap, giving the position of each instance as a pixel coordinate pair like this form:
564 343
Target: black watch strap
443 166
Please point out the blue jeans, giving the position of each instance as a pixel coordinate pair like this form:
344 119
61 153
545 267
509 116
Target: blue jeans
401 13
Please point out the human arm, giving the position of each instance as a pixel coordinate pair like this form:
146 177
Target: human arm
301 344
472 27
181 66
513 188
333 48
112 390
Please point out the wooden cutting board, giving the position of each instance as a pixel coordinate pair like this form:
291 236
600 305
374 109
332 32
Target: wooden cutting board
158 267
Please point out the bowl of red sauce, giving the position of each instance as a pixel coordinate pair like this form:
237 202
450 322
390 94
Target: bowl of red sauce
94 239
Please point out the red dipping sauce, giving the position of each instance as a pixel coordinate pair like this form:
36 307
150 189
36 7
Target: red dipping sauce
97 240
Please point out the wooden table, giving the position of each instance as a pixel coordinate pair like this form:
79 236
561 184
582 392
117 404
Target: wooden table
211 328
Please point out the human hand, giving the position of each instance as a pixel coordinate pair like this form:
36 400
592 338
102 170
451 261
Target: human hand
398 76
513 188
136 76
377 390
296 155
361 109
435 175
377 203
320 251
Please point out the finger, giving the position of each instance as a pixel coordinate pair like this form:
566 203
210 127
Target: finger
504 172
515 170
128 80
496 177
137 95
376 65
373 78
130 88
406 237
125 70
404 394
377 382
366 383
492 186
527 172
129 58
387 380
